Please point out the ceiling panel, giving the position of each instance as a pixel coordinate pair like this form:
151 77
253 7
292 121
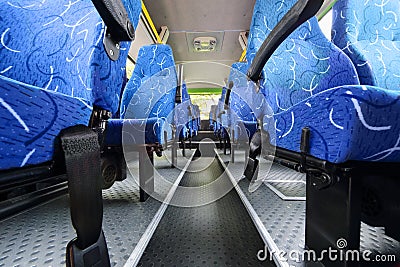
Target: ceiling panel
182 16
141 38
230 49
205 15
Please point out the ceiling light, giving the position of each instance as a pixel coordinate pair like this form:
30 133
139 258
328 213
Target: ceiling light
204 44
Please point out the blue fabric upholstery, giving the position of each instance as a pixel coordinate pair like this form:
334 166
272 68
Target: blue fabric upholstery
185 93
194 124
266 15
309 82
218 127
212 116
369 33
347 123
31 118
242 118
52 61
197 119
155 62
182 116
304 65
238 74
134 131
60 47
133 8
150 93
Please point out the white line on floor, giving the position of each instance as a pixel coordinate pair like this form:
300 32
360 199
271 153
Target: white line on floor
137 253
272 247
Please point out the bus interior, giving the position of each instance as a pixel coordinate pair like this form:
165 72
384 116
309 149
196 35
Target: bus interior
200 133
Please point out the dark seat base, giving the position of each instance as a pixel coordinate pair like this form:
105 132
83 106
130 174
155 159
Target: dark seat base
339 197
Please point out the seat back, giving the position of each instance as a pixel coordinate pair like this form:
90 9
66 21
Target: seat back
220 105
197 120
182 114
58 46
53 70
152 86
212 116
240 102
185 93
305 64
369 33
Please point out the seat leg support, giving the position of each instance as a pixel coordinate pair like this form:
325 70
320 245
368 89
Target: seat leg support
174 153
250 171
82 161
146 172
224 146
232 153
246 154
184 148
333 217
174 150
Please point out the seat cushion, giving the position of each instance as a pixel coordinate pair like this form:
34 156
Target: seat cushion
347 123
31 118
244 130
136 131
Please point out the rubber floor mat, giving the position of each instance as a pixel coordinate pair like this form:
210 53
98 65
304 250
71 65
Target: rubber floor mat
220 233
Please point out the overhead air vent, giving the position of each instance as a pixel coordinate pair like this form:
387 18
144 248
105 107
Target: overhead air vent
204 44
204 41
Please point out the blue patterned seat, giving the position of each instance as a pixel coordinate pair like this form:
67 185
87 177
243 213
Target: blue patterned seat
148 100
309 82
183 115
192 124
53 70
197 119
212 116
242 120
219 110
369 33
